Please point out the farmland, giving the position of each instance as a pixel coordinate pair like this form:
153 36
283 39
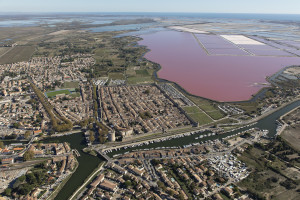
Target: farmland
17 54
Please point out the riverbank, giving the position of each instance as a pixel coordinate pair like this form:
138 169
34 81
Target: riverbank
87 164
87 181
266 123
60 186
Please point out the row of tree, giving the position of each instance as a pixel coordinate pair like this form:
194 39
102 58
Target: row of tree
58 122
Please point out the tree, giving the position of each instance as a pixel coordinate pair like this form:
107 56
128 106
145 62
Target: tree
7 191
31 179
39 146
28 155
16 125
92 137
247 135
161 185
127 183
102 139
27 134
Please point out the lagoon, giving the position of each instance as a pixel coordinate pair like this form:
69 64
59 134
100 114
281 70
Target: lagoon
223 77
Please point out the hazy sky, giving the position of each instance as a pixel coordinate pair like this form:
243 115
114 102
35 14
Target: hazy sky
215 6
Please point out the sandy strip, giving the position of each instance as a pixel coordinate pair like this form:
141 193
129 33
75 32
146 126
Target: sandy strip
60 32
180 28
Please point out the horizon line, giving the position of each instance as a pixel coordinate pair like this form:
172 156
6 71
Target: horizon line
137 12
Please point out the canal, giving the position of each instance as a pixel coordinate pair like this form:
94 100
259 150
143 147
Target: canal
88 163
268 123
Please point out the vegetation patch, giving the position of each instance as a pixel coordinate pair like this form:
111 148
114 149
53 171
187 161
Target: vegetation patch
71 85
142 72
207 106
202 118
136 80
17 54
54 93
116 76
197 115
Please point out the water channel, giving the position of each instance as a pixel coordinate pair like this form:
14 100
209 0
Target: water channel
88 163
268 123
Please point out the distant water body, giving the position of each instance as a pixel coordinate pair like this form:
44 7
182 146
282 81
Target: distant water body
35 19
271 17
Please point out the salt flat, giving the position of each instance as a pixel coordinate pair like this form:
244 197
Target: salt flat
184 29
240 39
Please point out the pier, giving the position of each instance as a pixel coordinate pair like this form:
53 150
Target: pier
76 152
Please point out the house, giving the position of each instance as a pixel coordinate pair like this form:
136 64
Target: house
228 191
18 149
217 197
97 181
108 185
37 132
7 161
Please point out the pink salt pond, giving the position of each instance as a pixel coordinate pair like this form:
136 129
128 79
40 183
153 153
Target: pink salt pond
217 77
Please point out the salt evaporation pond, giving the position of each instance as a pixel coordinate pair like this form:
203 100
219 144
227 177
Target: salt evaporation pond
217 77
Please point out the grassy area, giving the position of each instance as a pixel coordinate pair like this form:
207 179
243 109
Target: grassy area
115 76
197 115
251 158
130 72
71 85
291 135
192 109
207 106
54 93
142 72
215 115
18 54
248 107
202 118
269 177
4 50
76 94
226 121
136 80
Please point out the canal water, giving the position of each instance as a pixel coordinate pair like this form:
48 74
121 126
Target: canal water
268 123
88 163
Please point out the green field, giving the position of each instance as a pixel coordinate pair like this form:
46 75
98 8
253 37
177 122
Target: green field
142 72
215 114
71 85
116 76
197 115
54 93
192 109
207 106
17 54
226 121
135 80
202 118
